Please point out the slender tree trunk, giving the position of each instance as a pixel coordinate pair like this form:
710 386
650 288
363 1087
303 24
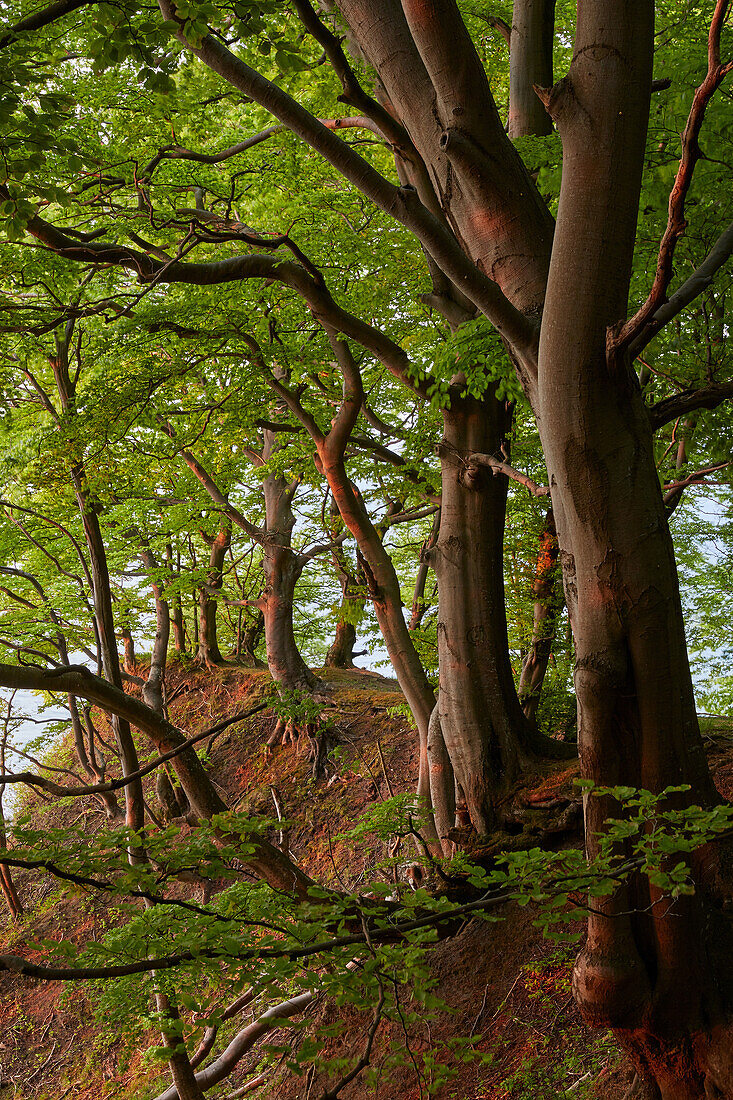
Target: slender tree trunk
94 769
547 606
184 1077
208 644
179 629
153 688
12 899
655 970
128 644
419 605
9 891
89 512
173 804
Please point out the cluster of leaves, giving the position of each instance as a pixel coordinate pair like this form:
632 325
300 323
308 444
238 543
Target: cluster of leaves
359 949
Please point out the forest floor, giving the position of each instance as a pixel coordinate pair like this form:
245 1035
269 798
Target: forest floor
506 988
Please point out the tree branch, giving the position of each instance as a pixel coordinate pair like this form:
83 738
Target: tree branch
498 466
58 789
212 488
671 408
42 18
671 489
698 282
676 222
400 203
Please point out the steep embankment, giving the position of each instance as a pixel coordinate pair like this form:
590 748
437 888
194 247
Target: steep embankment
507 990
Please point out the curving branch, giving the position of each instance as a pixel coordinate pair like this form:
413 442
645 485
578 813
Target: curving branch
243 1041
232 513
33 780
303 279
671 408
267 861
692 288
352 92
401 203
676 221
43 18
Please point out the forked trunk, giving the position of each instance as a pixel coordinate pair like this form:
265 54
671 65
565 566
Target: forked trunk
655 970
482 722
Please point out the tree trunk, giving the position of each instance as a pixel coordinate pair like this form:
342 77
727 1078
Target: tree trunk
12 899
184 1078
249 637
173 804
482 722
419 604
530 65
102 594
282 568
548 603
209 653
654 970
128 648
341 651
95 770
480 717
179 629
9 891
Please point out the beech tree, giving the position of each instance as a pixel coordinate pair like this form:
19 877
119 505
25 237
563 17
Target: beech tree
579 297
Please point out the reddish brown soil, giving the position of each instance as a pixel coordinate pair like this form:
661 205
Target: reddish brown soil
504 984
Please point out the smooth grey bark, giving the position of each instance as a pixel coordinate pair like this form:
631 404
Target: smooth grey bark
243 1041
